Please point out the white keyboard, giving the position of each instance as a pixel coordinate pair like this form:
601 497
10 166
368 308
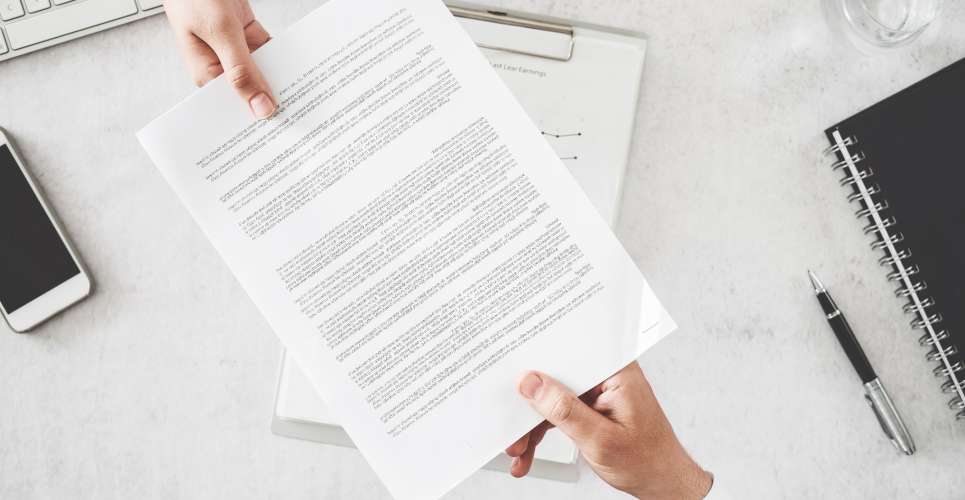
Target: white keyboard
29 25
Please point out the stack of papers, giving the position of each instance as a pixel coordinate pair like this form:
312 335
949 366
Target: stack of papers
408 234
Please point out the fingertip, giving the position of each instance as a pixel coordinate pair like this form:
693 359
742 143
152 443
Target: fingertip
523 464
529 384
519 467
516 449
514 467
262 106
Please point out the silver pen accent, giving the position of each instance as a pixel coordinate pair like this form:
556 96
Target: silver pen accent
888 417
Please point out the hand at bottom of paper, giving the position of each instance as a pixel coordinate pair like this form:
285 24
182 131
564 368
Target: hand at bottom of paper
621 431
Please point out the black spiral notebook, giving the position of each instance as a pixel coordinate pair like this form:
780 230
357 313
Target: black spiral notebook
903 162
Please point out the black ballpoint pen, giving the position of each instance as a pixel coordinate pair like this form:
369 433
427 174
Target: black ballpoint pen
875 393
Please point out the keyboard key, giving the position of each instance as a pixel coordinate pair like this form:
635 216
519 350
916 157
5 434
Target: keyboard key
3 44
10 9
69 19
149 4
36 5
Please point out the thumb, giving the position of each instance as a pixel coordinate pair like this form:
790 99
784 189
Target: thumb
562 408
240 69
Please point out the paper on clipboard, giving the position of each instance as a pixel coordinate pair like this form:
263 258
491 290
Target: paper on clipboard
580 84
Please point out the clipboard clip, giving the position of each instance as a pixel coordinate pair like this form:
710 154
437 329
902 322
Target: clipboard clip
557 34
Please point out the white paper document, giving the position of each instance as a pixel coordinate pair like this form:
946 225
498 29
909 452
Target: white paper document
408 234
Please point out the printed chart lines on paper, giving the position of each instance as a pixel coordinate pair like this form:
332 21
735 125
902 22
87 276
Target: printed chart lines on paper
563 136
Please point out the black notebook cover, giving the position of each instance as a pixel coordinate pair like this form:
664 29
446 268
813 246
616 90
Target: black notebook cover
914 144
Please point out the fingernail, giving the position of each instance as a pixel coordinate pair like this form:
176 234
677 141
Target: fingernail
262 106
515 462
530 385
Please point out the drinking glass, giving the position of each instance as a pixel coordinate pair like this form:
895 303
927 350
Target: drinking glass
887 23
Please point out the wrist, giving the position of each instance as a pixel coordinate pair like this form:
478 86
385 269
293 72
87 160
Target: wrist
690 482
702 482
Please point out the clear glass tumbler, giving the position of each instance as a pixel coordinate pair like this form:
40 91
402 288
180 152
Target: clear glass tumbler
888 23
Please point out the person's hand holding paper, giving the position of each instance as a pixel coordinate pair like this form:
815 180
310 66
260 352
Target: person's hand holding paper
620 430
218 36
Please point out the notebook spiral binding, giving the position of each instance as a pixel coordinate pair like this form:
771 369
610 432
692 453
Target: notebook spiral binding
858 176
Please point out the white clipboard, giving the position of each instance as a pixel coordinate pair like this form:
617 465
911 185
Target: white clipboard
580 84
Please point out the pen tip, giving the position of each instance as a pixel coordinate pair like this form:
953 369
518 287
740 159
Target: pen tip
815 282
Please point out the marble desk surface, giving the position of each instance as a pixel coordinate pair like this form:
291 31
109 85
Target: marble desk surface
161 384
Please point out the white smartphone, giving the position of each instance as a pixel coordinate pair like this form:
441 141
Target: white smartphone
40 274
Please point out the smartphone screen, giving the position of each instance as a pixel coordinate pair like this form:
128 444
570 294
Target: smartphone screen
33 258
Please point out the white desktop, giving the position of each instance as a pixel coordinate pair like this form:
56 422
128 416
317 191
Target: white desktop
161 383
